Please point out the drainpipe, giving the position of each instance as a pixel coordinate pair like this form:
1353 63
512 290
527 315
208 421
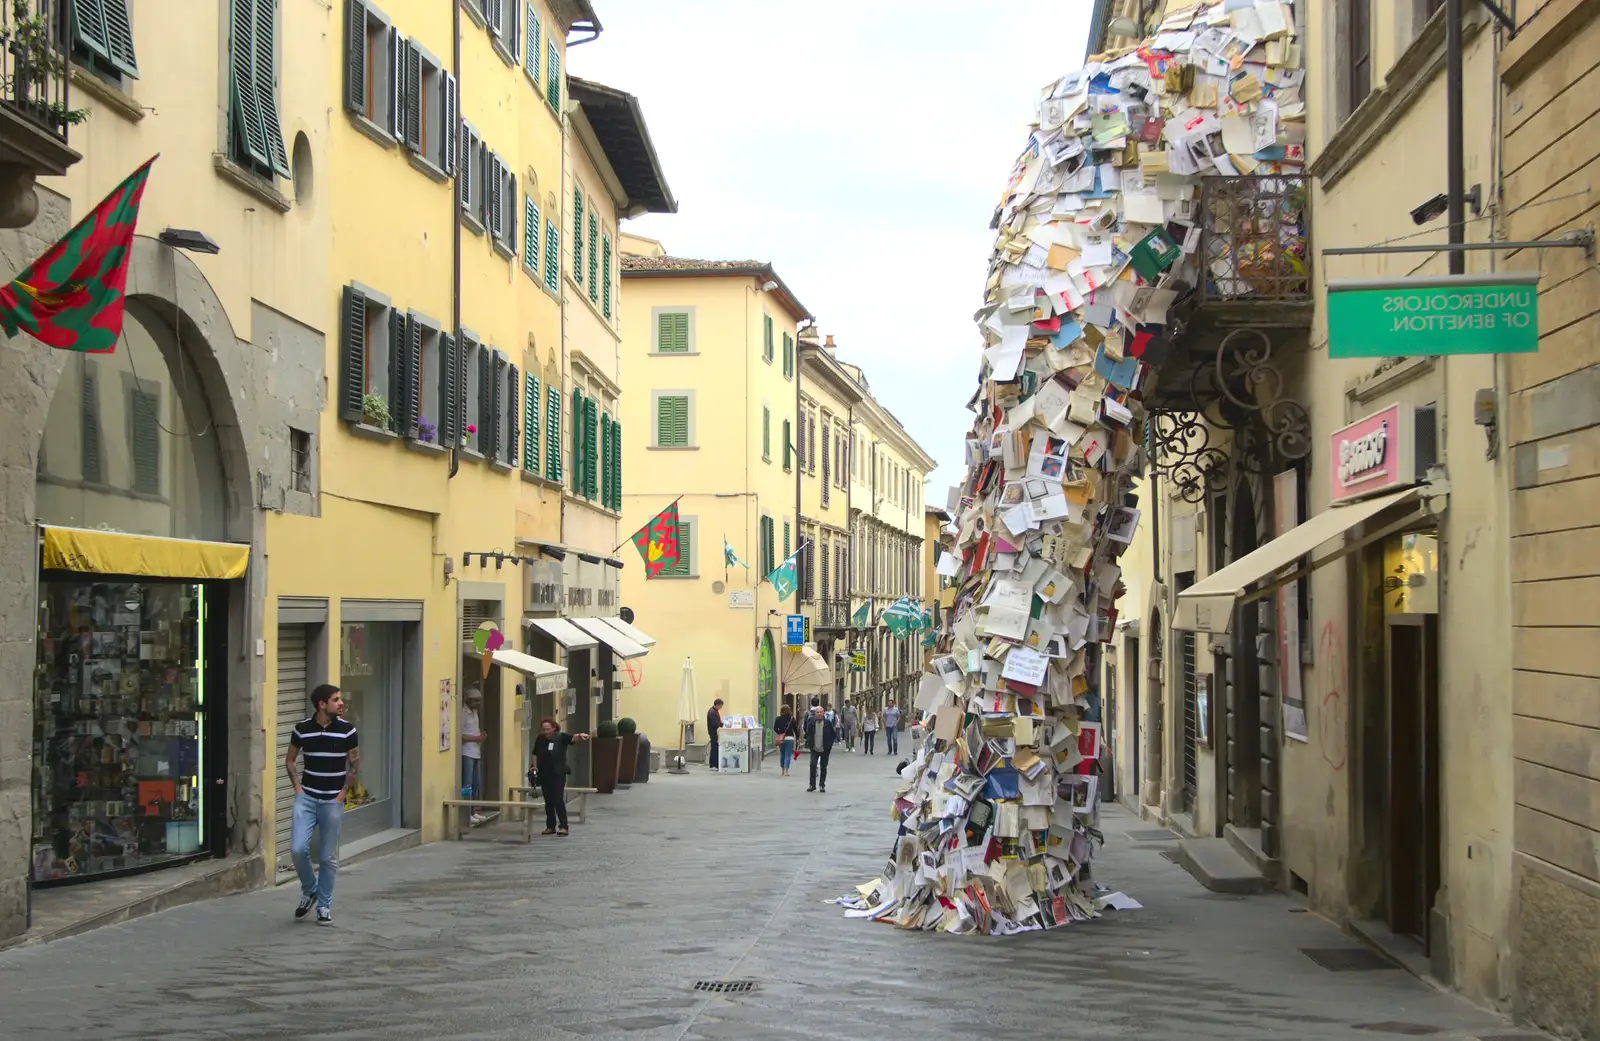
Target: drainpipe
850 558
455 224
799 528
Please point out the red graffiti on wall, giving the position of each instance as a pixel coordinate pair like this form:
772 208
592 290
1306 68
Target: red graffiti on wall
1333 713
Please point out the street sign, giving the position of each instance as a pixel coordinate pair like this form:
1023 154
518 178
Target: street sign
1445 314
808 630
858 660
794 630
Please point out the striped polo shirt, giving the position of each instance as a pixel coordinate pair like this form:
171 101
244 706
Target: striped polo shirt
325 755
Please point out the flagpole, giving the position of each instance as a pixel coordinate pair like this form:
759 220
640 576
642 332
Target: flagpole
646 524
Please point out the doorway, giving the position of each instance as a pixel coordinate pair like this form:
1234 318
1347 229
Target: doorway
1242 704
1135 717
1412 871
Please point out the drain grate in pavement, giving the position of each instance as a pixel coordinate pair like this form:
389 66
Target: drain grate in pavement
726 986
1347 959
1391 1027
1153 835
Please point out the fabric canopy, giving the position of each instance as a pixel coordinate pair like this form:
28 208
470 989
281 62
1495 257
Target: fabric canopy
620 645
116 553
807 673
547 676
643 639
563 632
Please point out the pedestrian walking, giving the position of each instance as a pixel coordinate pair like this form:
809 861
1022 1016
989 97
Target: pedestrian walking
472 738
869 731
550 762
848 720
891 728
786 730
821 731
713 727
328 742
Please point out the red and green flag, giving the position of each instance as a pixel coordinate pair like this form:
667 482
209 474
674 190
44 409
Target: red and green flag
657 541
72 297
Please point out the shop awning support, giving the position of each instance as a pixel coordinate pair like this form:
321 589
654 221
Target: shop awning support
1410 520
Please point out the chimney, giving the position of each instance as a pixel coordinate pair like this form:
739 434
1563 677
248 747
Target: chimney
808 335
828 346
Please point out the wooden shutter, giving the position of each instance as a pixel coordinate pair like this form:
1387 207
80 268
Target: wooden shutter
827 461
552 255
552 91
144 409
89 415
552 432
493 14
513 440
577 236
578 447
119 37
766 432
530 235
788 445
355 64
508 211
399 371
672 421
591 428
605 460
786 537
497 371
530 422
411 393
352 354
449 392
605 275
672 332
530 51
266 85
464 168
89 26
594 258
245 127
616 465
452 124
494 183
511 32
485 400
766 341
685 565
395 52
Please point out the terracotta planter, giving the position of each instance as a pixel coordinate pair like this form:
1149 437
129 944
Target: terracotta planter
604 755
628 763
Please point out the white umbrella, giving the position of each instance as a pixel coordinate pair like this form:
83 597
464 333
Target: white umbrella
687 710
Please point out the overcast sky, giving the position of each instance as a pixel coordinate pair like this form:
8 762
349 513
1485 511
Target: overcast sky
858 145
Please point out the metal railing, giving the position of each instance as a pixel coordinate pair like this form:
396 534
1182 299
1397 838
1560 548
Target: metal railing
833 614
34 61
1255 239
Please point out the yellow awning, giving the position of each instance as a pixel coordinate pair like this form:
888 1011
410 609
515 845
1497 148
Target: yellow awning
116 553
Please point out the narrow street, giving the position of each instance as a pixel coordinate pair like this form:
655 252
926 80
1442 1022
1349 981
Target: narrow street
718 879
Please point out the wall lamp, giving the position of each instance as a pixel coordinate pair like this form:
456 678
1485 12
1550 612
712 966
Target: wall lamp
193 241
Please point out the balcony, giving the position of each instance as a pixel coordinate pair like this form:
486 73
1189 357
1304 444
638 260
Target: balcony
826 614
34 109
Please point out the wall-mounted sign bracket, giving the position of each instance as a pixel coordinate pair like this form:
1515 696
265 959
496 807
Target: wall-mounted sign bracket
1581 238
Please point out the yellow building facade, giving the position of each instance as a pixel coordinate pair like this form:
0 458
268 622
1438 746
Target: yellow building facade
710 350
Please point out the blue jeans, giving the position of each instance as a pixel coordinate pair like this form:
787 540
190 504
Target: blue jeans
785 752
325 815
471 778
892 737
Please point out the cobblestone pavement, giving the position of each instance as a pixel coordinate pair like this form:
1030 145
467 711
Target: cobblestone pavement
604 934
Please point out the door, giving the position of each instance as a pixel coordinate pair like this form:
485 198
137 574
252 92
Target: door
293 706
1243 740
766 685
1136 718
1413 834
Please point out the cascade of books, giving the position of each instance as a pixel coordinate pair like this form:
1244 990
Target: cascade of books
1099 247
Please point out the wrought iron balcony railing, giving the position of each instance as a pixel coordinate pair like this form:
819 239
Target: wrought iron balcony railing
1255 240
833 614
34 64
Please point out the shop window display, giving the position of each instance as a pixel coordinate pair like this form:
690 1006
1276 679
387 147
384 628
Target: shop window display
118 737
369 658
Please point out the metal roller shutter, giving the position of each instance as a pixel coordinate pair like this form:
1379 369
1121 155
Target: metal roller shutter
292 708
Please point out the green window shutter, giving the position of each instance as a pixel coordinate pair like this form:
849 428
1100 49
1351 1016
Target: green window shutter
552 433
685 565
766 343
352 354
605 275
766 433
788 446
119 37
552 256
672 421
530 420
266 84
89 26
786 540
616 466
788 355
591 448
245 131
579 449
604 491
530 236
594 258
144 413
530 57
577 236
552 64
672 332
513 412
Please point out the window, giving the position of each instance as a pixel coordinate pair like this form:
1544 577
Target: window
827 456
577 235
616 465
766 342
594 258
767 563
530 237
372 67
605 275
1358 43
530 44
591 449
428 104
552 248
89 418
672 332
299 460
672 421
826 585
452 380
552 65
102 38
788 447
430 385
504 25
491 402
473 360
500 209
800 440
786 549
508 414
580 443
368 330
255 134
552 432
530 421
811 442
766 433
470 175
688 565
788 355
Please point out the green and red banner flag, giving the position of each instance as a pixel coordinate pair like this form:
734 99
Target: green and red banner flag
657 541
72 297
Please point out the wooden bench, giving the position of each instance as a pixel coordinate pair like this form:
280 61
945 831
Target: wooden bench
461 829
577 800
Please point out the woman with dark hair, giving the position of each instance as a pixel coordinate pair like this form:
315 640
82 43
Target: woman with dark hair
550 760
786 730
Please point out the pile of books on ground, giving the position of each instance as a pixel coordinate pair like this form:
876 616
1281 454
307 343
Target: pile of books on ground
1097 236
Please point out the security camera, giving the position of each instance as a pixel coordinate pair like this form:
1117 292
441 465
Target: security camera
1431 210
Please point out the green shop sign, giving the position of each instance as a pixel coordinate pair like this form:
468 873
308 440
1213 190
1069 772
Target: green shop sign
1448 314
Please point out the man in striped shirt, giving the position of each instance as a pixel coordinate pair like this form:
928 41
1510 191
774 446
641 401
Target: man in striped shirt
328 742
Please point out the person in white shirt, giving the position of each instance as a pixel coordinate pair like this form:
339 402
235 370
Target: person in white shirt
472 739
869 730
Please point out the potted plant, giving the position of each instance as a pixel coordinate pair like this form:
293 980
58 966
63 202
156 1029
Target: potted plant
606 747
628 731
426 430
375 411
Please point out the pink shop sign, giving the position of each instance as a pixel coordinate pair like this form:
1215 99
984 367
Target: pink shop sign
1375 454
